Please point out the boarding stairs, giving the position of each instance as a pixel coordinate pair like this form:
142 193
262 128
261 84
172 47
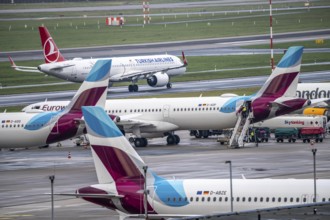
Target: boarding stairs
240 130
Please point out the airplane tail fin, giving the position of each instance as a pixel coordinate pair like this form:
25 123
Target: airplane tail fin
114 157
93 91
51 52
284 79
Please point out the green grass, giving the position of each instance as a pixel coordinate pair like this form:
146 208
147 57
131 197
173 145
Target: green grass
307 44
70 33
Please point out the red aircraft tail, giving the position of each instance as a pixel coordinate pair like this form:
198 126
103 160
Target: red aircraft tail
51 52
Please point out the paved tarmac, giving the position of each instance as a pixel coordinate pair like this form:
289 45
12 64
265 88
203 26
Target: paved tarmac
25 173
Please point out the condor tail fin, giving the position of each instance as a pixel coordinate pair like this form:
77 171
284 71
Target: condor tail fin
51 52
114 157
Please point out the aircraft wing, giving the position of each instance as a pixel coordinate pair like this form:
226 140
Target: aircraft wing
131 120
291 210
60 66
23 68
322 102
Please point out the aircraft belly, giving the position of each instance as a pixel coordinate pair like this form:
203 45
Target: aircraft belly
207 121
21 139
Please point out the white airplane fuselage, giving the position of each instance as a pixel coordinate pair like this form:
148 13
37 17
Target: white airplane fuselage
166 114
77 69
13 128
189 197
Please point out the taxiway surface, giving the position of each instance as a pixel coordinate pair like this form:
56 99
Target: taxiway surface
25 173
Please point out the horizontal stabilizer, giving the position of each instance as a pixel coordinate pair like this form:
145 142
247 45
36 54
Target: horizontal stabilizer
85 195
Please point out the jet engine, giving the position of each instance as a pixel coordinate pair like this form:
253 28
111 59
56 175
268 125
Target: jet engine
158 79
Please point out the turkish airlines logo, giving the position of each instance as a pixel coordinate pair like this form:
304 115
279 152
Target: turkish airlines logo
51 52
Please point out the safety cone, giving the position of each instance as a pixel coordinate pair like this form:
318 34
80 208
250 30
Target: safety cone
69 155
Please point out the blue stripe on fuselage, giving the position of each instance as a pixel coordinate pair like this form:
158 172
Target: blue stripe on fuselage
231 104
168 190
39 120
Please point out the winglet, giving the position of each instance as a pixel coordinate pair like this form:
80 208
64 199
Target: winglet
184 59
12 62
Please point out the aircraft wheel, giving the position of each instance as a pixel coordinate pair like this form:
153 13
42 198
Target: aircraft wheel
135 88
177 139
205 133
130 88
198 134
170 139
138 142
169 85
144 141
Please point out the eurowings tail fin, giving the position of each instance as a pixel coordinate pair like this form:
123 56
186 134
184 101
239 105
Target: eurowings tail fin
114 157
93 91
51 52
284 79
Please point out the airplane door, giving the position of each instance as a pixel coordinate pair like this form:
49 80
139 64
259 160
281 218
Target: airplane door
166 111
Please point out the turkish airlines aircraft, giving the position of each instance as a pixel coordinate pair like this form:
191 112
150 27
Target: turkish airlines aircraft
23 129
156 69
126 185
147 118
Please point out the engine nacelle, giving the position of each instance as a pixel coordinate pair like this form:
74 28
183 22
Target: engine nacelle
316 111
158 79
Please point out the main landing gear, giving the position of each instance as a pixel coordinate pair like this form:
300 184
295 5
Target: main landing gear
139 142
133 88
173 139
169 85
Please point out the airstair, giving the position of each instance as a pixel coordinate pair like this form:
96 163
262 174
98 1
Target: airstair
241 129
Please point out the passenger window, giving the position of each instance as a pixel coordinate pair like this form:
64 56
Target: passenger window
255 199
191 199
226 199
209 199
220 199
304 200
243 199
237 199
291 199
203 199
197 199
297 199
261 199
214 199
273 199
279 199
267 199
249 199
285 199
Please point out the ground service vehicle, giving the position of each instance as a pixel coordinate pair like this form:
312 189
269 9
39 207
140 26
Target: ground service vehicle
286 133
308 133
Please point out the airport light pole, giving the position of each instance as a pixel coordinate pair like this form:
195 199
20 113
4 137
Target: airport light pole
52 178
231 186
314 150
145 169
